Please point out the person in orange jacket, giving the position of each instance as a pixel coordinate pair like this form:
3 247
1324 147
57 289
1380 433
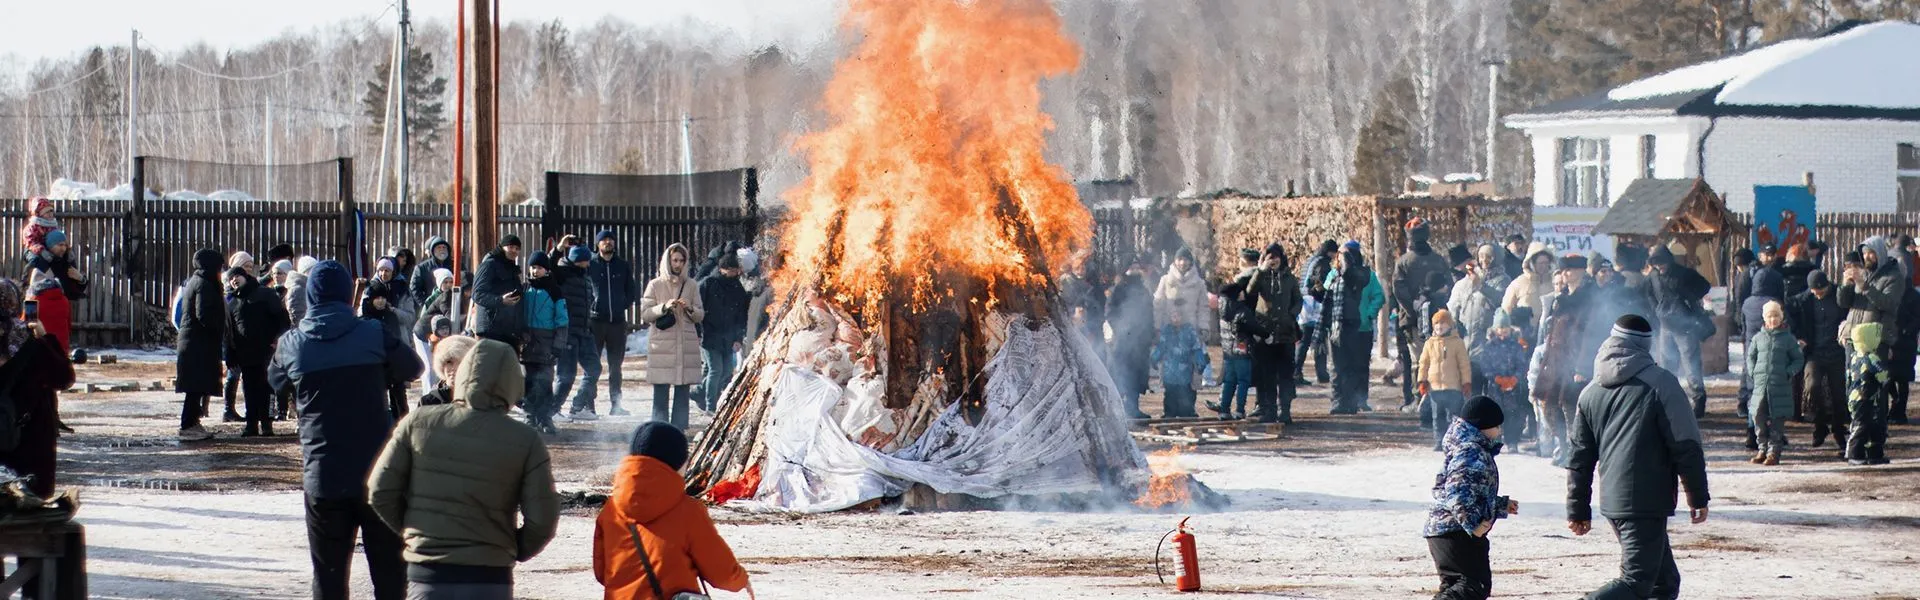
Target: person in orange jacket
649 505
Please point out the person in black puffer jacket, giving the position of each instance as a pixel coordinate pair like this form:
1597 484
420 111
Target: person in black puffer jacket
203 331
439 256
255 319
577 291
496 295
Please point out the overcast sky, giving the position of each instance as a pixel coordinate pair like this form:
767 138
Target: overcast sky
35 29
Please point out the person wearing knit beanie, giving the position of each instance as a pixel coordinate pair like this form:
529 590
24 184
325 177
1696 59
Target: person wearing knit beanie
1468 502
1484 414
241 260
662 442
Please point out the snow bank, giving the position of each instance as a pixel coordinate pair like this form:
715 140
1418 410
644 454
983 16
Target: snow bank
67 189
1846 69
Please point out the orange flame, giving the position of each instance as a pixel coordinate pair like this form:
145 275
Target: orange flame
932 118
1171 484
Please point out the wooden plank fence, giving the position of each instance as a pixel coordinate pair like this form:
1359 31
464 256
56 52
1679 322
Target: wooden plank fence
1844 231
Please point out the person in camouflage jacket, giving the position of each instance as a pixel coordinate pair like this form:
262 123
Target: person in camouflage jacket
1466 503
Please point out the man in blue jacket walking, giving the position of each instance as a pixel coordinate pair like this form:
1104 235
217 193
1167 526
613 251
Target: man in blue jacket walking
613 295
340 367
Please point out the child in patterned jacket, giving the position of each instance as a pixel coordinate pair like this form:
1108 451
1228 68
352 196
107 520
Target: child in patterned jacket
1467 501
1867 399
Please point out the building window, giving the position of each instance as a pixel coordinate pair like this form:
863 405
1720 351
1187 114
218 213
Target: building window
1909 174
1646 157
1583 172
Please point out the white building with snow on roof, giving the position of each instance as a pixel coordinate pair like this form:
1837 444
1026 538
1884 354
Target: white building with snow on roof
1844 106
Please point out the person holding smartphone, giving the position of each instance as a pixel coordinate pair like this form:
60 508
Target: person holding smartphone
34 368
672 306
496 295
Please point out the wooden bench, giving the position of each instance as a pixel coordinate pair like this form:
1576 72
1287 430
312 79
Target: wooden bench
52 560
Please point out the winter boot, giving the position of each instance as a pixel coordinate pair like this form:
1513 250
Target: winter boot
233 393
1819 435
252 430
1752 443
1758 458
1773 459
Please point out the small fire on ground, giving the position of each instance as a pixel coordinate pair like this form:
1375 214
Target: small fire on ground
1171 484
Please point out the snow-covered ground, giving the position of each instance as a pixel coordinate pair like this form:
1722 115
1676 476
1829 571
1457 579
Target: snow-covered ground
1345 527
1333 510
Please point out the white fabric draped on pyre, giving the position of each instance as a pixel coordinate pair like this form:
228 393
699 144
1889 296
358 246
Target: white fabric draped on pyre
1052 426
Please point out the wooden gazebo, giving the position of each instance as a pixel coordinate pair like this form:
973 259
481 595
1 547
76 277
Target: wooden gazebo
1664 211
1686 213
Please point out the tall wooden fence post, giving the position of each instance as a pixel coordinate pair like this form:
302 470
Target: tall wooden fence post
350 219
550 215
133 263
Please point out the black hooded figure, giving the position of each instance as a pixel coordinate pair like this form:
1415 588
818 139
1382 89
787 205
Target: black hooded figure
1273 293
1411 277
203 326
1130 313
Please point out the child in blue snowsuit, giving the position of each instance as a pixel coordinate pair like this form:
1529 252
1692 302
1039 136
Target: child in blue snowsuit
1181 357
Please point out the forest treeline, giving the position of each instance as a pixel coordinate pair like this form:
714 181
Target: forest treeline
1183 97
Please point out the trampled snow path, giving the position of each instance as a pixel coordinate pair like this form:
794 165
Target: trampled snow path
1342 527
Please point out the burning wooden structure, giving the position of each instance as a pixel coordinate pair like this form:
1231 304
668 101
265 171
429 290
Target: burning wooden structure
918 346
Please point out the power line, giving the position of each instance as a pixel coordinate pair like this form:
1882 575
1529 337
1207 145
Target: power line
674 121
371 23
95 71
184 111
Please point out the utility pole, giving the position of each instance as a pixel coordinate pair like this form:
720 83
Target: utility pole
269 130
133 103
406 137
686 153
460 134
1493 116
486 226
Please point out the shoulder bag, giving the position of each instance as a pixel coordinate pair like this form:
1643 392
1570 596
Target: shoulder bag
652 579
666 321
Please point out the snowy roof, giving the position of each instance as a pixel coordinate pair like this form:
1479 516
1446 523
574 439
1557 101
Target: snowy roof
1855 71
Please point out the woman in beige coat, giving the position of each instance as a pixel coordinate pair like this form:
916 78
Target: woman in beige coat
673 352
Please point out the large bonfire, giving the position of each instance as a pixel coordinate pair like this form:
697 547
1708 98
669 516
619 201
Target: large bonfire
916 348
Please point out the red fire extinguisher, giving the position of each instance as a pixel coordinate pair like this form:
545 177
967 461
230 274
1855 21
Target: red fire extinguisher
1186 572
